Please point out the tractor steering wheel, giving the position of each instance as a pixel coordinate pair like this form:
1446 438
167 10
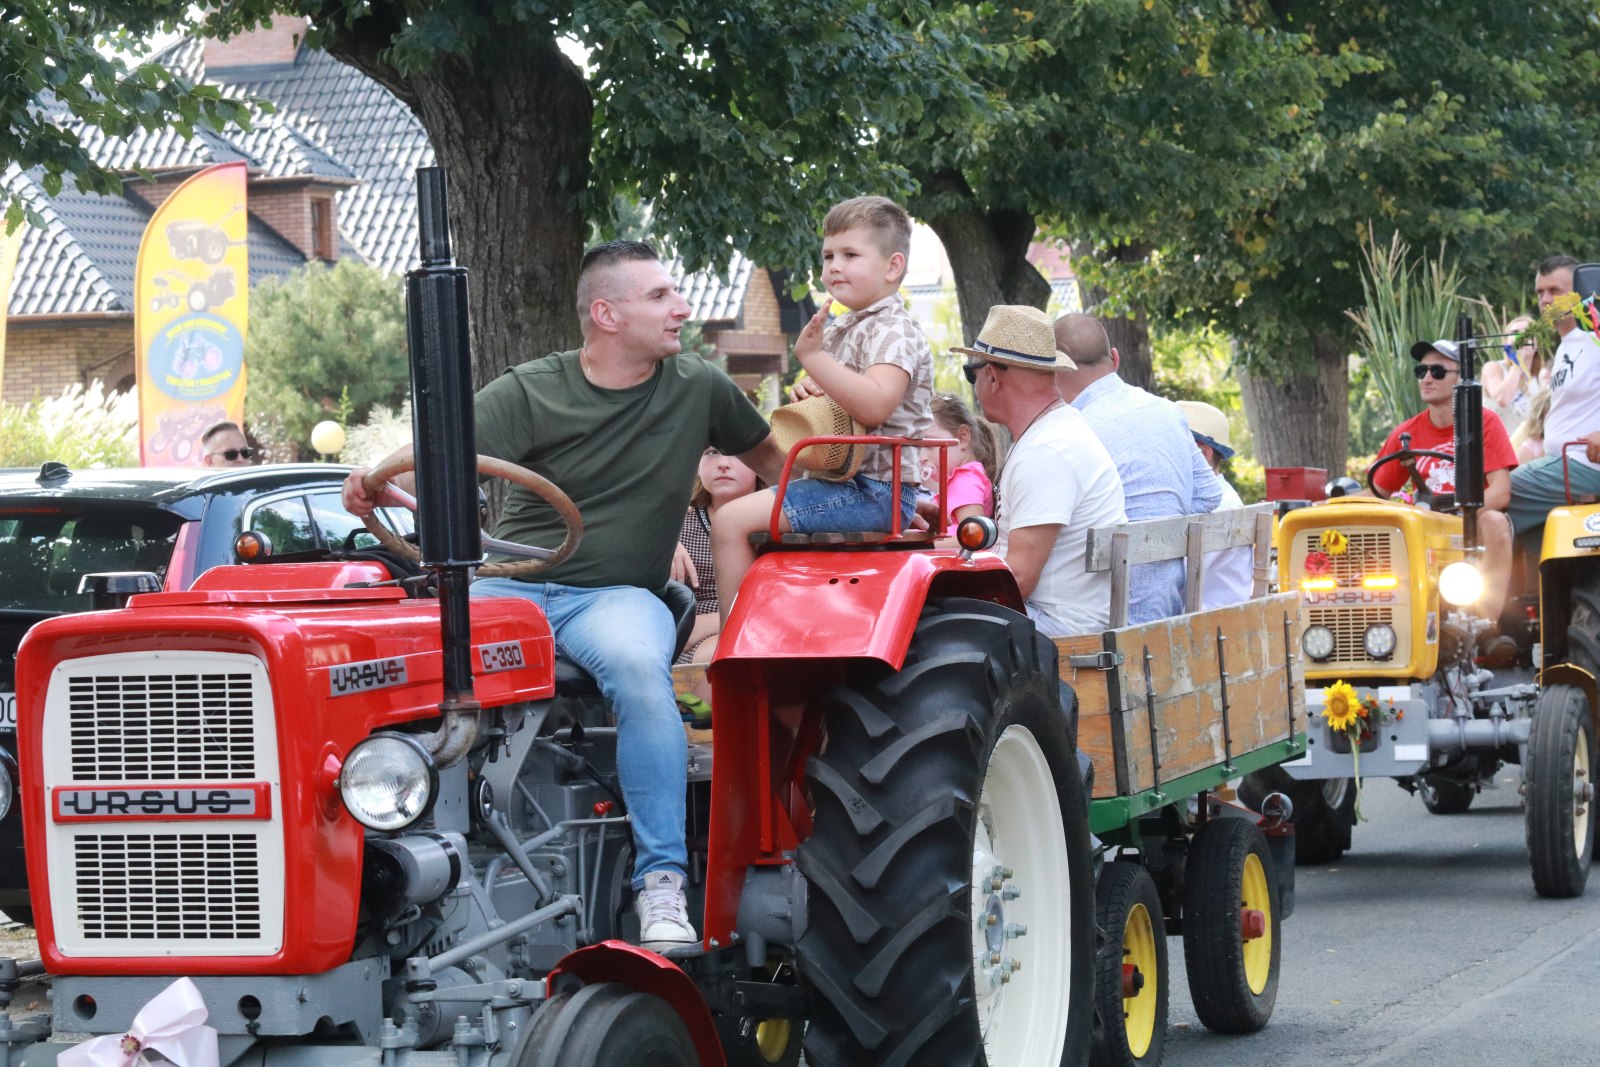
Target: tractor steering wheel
1425 496
377 482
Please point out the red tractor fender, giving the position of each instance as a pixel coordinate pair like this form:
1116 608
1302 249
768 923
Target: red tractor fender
809 604
645 971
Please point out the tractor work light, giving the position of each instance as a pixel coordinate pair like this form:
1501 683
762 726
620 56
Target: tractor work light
1317 642
1380 581
1461 583
1317 585
1379 641
388 782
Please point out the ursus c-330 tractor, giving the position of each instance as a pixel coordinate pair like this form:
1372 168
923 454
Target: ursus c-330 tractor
374 827
1390 590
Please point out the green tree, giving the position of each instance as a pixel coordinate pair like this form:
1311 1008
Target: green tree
60 69
319 339
1472 125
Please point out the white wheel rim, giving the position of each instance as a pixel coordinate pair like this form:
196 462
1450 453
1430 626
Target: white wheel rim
1333 790
1582 794
1022 1010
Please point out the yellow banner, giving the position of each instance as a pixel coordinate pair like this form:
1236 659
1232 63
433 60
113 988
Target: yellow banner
10 245
191 291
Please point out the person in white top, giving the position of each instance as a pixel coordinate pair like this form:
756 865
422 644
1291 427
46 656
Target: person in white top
1058 482
1574 413
1227 576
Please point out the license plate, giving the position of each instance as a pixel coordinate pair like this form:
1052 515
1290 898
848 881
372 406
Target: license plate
8 712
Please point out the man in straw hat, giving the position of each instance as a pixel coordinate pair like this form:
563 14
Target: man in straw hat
620 426
1163 474
1058 482
1228 576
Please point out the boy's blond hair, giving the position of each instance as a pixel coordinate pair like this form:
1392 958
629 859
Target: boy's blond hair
888 221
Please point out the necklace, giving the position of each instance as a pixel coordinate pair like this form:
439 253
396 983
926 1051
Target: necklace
1041 413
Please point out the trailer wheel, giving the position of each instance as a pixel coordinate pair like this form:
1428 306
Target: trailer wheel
1324 811
607 1025
1131 982
1445 796
1230 926
1560 789
951 909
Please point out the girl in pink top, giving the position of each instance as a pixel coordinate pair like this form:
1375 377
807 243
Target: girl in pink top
973 464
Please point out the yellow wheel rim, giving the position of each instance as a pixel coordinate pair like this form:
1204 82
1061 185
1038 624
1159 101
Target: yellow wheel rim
1139 1010
772 1039
1257 951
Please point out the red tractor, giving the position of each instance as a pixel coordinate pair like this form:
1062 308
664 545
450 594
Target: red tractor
377 826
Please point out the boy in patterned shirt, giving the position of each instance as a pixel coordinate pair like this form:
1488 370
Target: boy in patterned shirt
875 364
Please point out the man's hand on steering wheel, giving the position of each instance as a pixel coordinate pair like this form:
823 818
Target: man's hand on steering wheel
1407 457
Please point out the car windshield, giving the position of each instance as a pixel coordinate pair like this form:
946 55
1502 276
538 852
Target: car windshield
46 550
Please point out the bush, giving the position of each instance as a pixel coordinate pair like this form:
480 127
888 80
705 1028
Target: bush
83 427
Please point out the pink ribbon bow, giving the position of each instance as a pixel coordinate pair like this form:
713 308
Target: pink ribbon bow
172 1025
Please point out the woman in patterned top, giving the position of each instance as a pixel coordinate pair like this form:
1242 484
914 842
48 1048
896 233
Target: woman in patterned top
720 479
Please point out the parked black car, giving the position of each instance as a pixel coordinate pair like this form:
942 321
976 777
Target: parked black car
56 525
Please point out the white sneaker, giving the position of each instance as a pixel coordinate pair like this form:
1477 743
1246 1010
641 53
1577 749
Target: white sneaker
663 914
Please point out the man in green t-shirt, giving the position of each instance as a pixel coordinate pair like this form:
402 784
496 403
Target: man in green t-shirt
620 426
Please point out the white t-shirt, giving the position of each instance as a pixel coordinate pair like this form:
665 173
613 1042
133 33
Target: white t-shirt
1228 576
1574 394
1060 473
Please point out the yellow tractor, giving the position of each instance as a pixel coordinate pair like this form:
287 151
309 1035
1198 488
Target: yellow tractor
1390 590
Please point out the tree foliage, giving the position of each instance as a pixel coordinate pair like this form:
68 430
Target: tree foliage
322 339
59 60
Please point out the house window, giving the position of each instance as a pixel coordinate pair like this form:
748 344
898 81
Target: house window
322 246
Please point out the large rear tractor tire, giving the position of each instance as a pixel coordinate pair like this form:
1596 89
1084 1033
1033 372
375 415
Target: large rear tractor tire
608 1025
1131 982
951 906
1559 776
1231 943
1324 811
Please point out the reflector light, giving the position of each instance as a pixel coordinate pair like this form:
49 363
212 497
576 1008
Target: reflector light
250 546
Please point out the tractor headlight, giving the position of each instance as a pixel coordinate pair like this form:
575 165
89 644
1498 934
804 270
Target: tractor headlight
1461 583
1317 642
388 781
1379 641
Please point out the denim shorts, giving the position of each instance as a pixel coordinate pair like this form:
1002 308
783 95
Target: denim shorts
814 506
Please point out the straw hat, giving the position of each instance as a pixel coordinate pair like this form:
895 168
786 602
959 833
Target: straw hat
1019 336
1209 425
819 416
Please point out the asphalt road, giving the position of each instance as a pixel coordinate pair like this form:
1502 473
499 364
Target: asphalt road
1424 945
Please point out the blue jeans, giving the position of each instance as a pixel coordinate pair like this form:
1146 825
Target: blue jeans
860 503
623 636
1537 487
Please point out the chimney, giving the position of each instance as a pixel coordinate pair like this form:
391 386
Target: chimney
265 46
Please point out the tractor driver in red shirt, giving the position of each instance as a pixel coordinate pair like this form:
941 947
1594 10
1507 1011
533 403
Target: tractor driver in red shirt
1433 429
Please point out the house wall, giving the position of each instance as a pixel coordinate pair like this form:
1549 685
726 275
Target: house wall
265 46
285 206
43 360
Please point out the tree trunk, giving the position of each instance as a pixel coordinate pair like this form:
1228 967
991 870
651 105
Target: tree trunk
988 253
516 120
1302 420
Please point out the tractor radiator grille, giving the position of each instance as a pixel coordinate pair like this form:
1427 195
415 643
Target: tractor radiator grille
161 727
168 886
1370 552
1349 625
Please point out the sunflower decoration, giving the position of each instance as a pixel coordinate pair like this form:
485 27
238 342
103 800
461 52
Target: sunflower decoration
1347 712
1334 543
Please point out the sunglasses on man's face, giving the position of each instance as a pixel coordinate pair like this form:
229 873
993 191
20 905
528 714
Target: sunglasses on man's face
1438 370
231 454
970 371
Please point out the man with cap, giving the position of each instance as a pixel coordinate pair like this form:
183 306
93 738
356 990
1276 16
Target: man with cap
1433 429
1163 474
1228 575
1058 482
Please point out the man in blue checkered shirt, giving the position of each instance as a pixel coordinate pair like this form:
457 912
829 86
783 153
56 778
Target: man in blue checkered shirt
1163 473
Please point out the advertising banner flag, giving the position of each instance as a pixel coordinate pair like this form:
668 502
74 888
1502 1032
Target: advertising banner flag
10 245
191 291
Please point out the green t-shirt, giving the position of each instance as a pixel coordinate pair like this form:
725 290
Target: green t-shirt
626 457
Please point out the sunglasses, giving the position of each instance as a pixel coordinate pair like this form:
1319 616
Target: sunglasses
1423 370
970 371
231 454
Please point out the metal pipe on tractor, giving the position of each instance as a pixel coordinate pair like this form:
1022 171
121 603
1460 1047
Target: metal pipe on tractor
446 455
1468 411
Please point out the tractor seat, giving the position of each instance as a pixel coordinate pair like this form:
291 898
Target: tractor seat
573 680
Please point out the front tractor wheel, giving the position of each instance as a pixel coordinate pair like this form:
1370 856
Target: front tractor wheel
1559 775
1231 945
951 907
1131 985
607 1025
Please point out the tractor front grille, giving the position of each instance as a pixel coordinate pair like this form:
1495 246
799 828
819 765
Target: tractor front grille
161 727
184 887
1351 606
1369 552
